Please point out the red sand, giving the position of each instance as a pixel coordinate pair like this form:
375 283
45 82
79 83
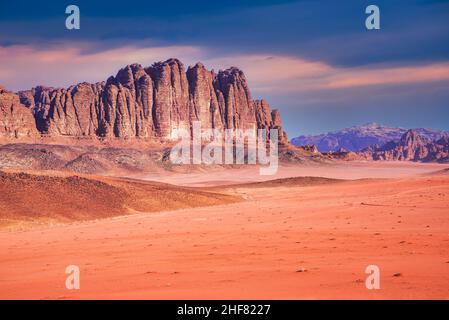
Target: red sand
251 249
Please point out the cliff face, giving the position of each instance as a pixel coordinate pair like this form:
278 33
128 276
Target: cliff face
413 147
16 121
139 102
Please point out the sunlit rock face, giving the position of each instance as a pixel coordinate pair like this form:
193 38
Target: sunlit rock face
16 120
153 103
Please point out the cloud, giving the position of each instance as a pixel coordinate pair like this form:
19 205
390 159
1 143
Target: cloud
283 74
64 64
330 31
358 77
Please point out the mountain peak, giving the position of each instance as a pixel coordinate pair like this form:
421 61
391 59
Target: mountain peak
413 146
359 137
154 102
371 125
412 138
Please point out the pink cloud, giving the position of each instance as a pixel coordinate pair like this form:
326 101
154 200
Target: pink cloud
23 67
394 75
65 64
288 74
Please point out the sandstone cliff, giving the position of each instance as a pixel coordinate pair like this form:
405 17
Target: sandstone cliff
144 103
16 121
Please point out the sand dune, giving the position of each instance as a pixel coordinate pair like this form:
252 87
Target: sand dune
63 197
337 170
439 172
284 182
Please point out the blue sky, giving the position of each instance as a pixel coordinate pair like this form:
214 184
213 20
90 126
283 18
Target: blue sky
314 60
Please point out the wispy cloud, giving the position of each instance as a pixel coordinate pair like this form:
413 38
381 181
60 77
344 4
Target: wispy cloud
358 77
270 73
24 66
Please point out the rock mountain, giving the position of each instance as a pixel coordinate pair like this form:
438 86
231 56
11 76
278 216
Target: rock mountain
412 146
145 103
359 137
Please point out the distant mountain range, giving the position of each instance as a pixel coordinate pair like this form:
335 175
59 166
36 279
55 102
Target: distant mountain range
360 137
411 147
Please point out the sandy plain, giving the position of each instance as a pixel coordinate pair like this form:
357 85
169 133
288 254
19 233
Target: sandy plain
302 238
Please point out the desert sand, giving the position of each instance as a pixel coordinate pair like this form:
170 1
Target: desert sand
300 238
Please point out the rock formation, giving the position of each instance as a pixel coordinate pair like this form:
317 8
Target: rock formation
16 121
358 138
413 147
145 103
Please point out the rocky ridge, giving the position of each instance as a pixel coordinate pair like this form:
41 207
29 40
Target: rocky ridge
149 103
357 138
411 147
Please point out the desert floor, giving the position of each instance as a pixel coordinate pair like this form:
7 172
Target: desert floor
296 239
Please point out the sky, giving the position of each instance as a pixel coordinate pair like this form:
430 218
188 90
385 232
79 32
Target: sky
313 60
